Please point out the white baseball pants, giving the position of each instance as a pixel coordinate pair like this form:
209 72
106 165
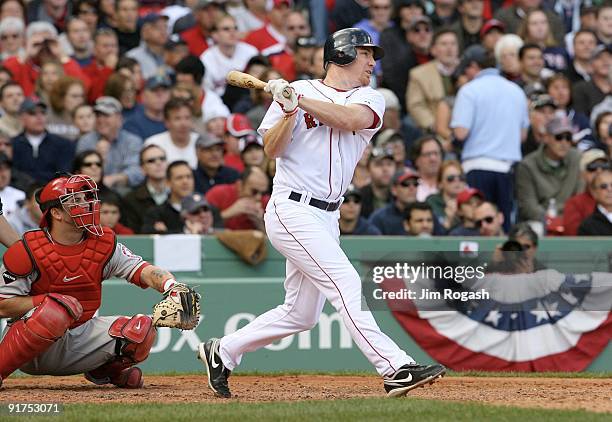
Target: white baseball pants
317 269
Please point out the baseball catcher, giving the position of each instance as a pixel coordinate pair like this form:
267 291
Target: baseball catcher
51 287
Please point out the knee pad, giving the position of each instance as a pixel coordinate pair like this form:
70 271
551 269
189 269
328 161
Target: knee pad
137 334
28 338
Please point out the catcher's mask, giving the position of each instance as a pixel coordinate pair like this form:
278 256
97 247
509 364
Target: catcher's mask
78 196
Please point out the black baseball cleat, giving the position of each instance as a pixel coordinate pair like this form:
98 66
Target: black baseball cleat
217 373
411 376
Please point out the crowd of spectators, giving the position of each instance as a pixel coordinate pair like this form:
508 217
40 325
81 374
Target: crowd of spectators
498 112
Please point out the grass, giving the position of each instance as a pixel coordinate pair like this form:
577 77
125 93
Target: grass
338 410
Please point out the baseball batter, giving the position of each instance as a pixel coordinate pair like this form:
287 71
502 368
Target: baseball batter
318 135
51 287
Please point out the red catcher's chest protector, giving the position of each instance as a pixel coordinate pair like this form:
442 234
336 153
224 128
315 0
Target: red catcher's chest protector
74 270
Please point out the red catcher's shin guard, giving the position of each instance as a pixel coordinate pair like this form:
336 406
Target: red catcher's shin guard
26 339
138 334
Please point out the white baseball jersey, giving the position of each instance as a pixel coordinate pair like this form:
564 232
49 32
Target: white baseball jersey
319 159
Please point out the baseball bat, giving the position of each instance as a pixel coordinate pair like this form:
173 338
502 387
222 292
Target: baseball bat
244 80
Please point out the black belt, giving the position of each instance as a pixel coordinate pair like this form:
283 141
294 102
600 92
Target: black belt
317 203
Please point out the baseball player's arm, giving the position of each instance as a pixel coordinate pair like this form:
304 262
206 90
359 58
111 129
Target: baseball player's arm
278 136
17 306
155 277
8 235
352 117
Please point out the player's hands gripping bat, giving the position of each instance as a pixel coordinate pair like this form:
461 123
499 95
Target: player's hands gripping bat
180 308
279 88
284 96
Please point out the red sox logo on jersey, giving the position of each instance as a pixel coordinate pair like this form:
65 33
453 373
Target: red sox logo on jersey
310 121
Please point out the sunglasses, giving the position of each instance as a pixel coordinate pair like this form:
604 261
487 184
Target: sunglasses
452 178
420 29
91 164
228 28
594 166
411 183
604 186
155 159
487 220
564 137
5 37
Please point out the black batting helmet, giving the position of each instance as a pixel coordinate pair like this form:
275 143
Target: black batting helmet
340 46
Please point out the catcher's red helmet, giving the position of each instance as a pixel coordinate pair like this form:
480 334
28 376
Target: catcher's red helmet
78 196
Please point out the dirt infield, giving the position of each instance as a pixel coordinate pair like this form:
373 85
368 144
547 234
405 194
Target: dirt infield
560 393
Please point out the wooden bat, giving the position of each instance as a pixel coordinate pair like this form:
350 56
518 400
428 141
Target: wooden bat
244 80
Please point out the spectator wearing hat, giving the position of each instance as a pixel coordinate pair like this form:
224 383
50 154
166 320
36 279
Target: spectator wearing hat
10 196
236 127
179 140
389 218
211 170
542 109
426 156
37 152
153 191
175 50
243 202
166 218
11 97
377 193
550 172
303 53
119 148
227 54
150 53
198 215
410 41
126 17
445 14
513 16
467 201
28 215
600 222
41 47
579 68
419 220
252 151
490 119
149 120
469 24
190 73
351 222
587 94
451 181
580 206
105 57
393 140
429 83
490 33
195 27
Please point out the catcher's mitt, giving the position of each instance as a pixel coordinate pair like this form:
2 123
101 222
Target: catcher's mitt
180 308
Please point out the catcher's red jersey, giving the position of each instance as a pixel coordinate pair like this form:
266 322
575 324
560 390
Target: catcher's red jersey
70 270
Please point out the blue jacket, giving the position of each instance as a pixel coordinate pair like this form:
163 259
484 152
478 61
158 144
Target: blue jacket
55 154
